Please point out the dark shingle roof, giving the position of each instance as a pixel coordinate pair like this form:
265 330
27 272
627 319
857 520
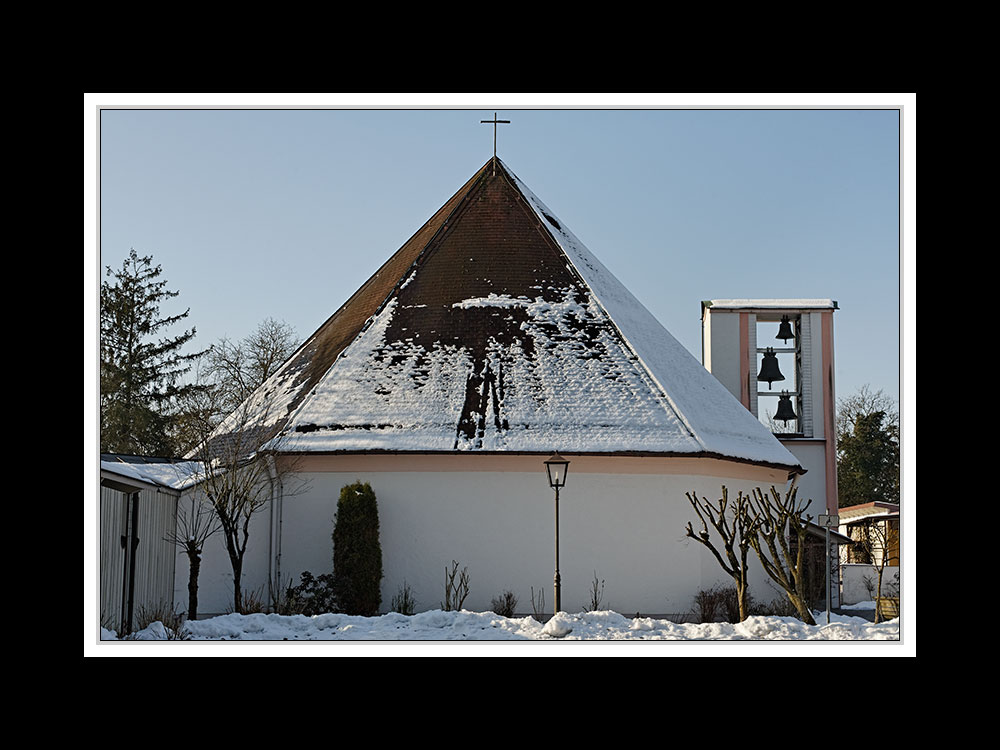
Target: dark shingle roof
494 329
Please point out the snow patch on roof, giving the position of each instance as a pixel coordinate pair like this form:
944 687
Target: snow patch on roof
719 423
176 476
776 304
402 395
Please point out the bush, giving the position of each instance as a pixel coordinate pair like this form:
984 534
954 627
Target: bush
596 603
162 612
357 553
505 604
403 602
314 596
721 604
252 602
780 606
455 593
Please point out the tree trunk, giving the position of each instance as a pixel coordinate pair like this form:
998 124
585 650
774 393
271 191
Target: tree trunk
741 598
802 608
194 560
237 589
878 590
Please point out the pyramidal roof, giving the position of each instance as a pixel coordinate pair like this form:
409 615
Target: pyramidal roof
494 329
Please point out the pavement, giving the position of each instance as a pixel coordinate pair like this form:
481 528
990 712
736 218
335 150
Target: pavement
868 614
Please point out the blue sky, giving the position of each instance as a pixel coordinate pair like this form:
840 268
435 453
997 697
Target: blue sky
257 213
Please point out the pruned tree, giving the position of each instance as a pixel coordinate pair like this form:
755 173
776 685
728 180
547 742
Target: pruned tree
736 529
243 469
195 524
780 529
140 368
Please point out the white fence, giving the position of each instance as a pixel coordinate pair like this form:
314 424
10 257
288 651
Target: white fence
853 584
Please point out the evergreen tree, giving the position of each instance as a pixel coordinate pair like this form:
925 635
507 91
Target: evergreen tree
139 370
867 449
357 552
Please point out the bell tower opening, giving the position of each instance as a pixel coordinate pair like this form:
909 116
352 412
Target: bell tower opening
779 373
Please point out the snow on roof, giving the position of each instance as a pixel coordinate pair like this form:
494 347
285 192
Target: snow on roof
774 304
495 329
865 510
175 476
715 418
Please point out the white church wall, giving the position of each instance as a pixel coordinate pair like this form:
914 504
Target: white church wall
622 519
812 484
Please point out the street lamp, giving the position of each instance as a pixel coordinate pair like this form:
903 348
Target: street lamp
557 467
828 521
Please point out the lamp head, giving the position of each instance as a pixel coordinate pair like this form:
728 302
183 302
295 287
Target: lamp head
556 467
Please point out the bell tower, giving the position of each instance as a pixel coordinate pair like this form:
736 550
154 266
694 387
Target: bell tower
776 357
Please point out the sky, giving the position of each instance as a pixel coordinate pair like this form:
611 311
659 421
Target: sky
257 212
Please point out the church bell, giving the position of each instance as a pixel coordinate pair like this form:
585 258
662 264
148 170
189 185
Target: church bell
769 371
785 330
785 411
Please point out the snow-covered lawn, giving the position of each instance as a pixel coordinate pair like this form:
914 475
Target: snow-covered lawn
438 625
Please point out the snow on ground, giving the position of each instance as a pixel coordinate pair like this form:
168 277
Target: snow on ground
438 625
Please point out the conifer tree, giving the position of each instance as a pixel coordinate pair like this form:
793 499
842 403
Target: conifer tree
357 552
867 449
139 367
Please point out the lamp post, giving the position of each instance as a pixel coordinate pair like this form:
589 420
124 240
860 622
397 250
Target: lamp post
557 467
828 520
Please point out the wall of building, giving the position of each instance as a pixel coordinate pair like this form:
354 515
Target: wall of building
812 485
154 557
622 519
853 585
721 341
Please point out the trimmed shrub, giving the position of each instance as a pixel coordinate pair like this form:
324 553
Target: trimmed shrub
357 553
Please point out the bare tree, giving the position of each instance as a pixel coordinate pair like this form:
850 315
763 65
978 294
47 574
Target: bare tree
194 527
198 411
862 403
455 593
778 521
737 529
596 594
538 603
239 368
243 470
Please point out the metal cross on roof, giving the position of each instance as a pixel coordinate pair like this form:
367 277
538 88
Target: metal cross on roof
495 122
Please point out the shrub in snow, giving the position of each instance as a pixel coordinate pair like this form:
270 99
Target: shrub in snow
722 603
505 604
314 596
357 553
455 592
403 602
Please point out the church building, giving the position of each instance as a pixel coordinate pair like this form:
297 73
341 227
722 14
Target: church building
490 340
